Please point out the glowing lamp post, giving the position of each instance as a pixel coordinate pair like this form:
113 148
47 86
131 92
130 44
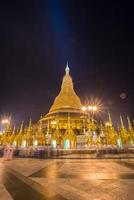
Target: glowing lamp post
108 124
92 108
84 108
5 121
89 109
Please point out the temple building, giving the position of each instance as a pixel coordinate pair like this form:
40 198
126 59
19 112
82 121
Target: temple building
66 110
65 115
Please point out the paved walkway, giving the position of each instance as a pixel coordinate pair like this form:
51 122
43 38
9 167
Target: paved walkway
4 194
94 156
81 179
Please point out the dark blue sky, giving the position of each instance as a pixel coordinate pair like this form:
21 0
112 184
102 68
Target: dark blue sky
37 38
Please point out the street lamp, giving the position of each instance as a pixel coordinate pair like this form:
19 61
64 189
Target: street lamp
107 124
94 108
53 122
84 108
5 121
91 108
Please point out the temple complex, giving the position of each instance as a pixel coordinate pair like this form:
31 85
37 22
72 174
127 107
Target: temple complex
68 126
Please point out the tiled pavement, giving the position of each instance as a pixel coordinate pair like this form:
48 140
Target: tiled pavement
81 179
4 194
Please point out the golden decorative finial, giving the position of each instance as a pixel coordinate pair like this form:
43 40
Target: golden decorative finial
129 124
67 69
29 126
21 128
101 127
40 126
121 120
14 128
109 118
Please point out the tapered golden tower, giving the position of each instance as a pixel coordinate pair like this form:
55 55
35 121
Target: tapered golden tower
67 100
67 103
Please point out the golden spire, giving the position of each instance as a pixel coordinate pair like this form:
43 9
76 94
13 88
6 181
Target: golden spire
40 126
102 128
67 80
67 70
129 124
21 128
14 128
121 120
8 126
67 98
110 119
29 126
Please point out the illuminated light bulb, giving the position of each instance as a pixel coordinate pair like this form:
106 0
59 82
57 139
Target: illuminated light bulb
90 107
94 108
107 124
84 108
53 122
4 121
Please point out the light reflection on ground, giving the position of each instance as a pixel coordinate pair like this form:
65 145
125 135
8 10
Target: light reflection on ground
81 179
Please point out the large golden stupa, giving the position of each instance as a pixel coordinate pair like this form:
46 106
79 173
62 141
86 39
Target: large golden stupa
66 109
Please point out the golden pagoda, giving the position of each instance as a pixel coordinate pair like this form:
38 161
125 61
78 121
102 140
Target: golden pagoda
66 105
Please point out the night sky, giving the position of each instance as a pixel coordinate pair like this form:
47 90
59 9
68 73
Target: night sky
37 38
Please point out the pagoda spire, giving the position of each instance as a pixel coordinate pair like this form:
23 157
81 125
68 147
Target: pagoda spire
40 126
21 128
14 128
121 121
110 119
129 123
67 70
29 126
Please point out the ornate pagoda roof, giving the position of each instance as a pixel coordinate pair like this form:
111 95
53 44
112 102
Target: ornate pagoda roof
67 99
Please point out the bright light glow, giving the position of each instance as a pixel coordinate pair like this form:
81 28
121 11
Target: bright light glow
35 143
53 122
107 124
24 143
94 136
54 143
84 108
94 105
94 108
119 143
90 107
5 121
67 144
1 133
14 143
